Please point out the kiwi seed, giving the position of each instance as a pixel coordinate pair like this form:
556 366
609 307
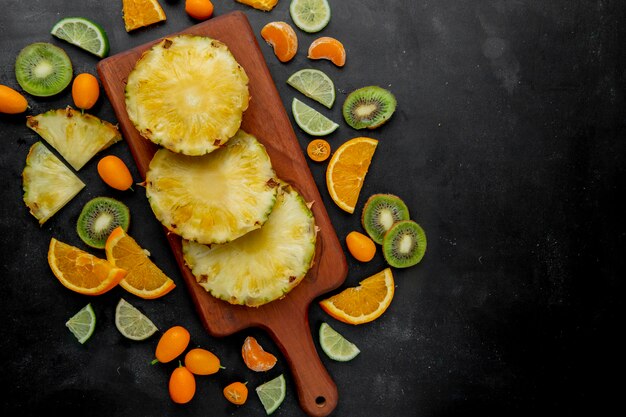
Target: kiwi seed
404 244
368 107
380 212
43 69
98 219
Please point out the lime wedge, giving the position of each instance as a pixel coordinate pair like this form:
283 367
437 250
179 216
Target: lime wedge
310 15
83 323
314 84
272 393
335 345
83 33
132 323
310 120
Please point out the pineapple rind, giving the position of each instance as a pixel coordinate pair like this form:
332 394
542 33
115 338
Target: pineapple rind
213 198
77 136
187 94
47 182
263 265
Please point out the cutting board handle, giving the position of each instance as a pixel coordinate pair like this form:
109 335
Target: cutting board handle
317 392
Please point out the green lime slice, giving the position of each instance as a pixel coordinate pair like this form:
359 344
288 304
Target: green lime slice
335 345
314 84
83 33
132 323
83 323
272 393
310 15
310 120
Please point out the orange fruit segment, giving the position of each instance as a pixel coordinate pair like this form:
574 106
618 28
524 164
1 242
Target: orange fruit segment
144 278
255 357
282 37
363 303
265 5
346 171
140 13
329 48
81 271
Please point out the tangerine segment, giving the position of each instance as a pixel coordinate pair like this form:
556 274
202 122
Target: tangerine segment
346 171
363 303
81 271
255 357
144 278
328 48
139 13
282 37
265 5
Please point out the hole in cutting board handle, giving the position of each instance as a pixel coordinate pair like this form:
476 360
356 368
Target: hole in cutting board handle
320 401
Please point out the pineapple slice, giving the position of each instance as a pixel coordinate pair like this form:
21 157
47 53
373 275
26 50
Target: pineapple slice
76 136
47 182
213 198
263 265
187 94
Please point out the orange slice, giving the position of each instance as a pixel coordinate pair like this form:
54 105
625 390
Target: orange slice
144 278
265 5
328 48
282 37
364 303
346 171
140 13
81 271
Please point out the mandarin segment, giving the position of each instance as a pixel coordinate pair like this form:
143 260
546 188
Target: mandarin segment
328 48
265 5
255 357
140 13
282 37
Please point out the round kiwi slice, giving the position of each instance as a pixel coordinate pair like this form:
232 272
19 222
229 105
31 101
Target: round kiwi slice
98 219
43 69
404 244
368 107
380 212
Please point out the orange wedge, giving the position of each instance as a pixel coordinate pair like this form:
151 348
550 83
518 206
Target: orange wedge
144 278
140 13
265 5
364 303
282 37
328 48
346 171
81 271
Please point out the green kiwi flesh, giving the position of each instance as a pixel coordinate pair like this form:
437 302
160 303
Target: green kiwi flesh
380 212
404 244
98 219
368 107
43 69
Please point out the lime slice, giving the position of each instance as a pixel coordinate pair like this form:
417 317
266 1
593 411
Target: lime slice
83 323
310 15
335 345
132 323
83 33
314 84
272 393
310 120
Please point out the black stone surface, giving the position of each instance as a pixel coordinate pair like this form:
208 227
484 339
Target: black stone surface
507 146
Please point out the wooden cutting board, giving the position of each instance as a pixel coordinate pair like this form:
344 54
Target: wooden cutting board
285 320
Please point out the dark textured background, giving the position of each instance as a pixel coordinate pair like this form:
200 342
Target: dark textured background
507 147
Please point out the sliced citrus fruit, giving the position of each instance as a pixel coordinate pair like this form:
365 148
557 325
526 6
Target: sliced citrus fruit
318 150
310 120
83 323
84 33
272 393
144 278
255 357
363 303
328 48
140 13
310 15
314 84
265 5
132 323
335 345
282 37
346 171
81 271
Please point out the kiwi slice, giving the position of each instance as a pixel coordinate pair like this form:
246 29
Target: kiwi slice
404 244
98 219
43 69
380 212
368 107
